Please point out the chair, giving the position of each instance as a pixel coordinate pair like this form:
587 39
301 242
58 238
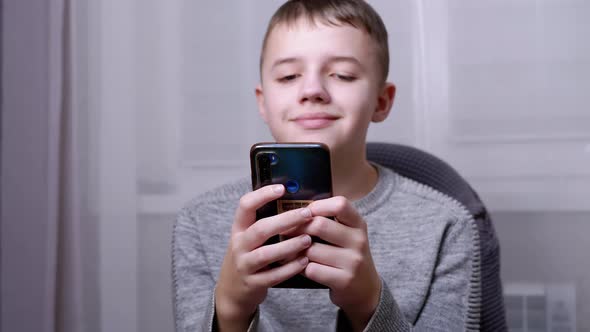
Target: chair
427 169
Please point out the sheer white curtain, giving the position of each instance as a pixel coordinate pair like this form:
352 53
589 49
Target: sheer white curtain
133 96
168 87
48 243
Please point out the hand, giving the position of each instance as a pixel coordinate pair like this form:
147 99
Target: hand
245 277
345 265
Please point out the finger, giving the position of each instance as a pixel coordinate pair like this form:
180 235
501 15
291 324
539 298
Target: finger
272 277
265 255
330 231
338 207
340 258
293 232
332 277
252 201
265 228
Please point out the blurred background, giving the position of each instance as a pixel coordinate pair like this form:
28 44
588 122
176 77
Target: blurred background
117 112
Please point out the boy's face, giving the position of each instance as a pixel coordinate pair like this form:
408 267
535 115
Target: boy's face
322 83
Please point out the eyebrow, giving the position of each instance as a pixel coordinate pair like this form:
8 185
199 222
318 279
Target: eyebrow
349 59
283 61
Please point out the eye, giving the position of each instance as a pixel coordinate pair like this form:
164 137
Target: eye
288 78
345 78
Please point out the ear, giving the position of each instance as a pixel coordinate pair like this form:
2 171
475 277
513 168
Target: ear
384 102
260 102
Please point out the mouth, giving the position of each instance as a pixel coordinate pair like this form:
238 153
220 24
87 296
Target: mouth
315 120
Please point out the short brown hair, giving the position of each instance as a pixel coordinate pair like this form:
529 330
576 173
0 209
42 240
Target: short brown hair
356 13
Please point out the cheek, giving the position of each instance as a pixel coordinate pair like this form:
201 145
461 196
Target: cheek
276 101
358 102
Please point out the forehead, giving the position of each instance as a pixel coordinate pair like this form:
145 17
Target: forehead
307 40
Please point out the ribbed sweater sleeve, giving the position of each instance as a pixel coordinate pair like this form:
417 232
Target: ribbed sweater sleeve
450 304
193 283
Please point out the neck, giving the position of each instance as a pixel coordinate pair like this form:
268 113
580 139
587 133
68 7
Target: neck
352 175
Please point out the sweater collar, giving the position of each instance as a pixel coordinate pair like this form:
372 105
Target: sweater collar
386 183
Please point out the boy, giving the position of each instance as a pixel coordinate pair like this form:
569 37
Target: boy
401 255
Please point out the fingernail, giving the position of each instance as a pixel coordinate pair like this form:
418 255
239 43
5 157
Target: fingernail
303 261
305 212
306 240
277 188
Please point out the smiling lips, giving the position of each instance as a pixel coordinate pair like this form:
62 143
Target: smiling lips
315 120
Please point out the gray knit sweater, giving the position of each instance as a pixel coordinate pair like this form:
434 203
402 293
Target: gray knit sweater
424 245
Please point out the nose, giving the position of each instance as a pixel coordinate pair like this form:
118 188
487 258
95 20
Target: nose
314 91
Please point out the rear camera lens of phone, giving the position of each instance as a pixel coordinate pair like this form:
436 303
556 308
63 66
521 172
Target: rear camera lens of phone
292 186
274 158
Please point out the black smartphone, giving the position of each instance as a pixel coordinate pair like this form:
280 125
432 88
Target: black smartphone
305 171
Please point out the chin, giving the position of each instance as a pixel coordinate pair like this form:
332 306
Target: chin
308 138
